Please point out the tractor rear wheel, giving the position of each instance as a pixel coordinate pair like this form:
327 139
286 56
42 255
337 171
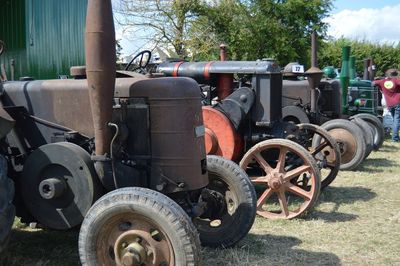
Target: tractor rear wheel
7 210
231 204
138 226
286 175
379 130
351 142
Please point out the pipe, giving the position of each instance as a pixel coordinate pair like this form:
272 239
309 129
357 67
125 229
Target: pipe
101 72
352 67
100 69
371 69
366 72
345 77
314 49
224 81
314 74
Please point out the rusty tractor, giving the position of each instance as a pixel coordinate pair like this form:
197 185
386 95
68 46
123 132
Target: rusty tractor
68 142
324 102
242 117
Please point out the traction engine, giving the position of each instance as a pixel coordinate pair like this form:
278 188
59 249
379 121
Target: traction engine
243 122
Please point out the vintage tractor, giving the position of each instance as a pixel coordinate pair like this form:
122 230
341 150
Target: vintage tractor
324 102
242 117
68 142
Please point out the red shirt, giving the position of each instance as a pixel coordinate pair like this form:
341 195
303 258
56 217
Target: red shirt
390 88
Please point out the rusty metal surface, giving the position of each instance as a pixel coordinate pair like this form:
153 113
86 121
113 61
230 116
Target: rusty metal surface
137 239
225 81
177 132
100 69
347 141
221 137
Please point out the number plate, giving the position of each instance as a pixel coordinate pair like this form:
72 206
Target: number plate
298 69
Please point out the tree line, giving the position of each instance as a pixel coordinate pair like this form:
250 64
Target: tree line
252 29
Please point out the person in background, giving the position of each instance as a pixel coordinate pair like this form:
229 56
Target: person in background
390 88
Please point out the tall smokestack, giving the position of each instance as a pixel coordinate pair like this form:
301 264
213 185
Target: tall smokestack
313 74
100 68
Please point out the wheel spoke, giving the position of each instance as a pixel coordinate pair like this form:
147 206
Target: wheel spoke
320 147
259 179
263 198
283 203
307 195
281 160
296 172
263 163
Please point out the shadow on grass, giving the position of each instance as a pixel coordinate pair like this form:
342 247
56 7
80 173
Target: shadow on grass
346 195
388 147
331 217
41 247
375 165
268 250
339 196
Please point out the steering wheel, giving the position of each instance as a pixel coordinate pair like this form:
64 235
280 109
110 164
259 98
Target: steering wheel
143 62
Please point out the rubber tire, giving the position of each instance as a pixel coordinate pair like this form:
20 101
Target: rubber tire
7 210
368 133
157 207
379 130
355 131
239 182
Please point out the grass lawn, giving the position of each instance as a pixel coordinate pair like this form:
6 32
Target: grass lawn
356 222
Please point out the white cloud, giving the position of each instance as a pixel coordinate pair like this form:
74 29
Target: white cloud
376 25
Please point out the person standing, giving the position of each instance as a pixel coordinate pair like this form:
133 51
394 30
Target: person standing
390 88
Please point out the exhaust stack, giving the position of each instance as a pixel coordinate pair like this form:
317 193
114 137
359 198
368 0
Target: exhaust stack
101 72
314 74
100 69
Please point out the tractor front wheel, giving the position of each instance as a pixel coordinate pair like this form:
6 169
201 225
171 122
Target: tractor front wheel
231 204
138 226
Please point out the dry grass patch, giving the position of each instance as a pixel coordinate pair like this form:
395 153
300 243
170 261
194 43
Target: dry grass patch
356 222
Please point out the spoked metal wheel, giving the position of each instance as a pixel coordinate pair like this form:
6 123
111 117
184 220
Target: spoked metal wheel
286 175
323 148
137 226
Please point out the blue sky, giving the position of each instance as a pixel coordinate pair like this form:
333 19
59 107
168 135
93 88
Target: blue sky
340 5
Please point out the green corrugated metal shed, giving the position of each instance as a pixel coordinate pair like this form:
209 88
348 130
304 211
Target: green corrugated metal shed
44 37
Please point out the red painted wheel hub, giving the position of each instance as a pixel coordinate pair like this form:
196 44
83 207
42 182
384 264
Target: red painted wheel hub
221 137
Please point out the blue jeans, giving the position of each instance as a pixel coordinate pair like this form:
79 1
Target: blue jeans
395 111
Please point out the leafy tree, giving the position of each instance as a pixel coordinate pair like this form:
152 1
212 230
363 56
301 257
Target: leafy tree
385 56
160 22
257 29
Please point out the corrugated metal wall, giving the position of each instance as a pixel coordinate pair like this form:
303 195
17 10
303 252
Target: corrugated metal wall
47 40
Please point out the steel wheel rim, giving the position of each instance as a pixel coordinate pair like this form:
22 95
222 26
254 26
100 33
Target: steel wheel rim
278 181
231 205
347 143
121 232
